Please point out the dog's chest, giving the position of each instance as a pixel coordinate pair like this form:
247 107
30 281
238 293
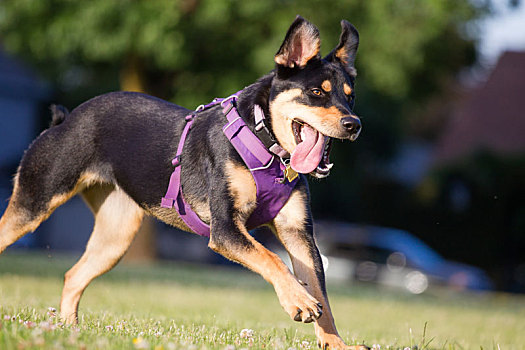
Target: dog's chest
242 188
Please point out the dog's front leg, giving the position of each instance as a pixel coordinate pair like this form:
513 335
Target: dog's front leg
293 227
230 238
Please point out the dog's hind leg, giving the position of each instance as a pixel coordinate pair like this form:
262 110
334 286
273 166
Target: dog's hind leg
35 197
52 170
27 208
293 226
15 223
117 220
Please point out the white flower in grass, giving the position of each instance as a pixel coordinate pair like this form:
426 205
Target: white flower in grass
51 312
247 333
305 345
229 347
376 347
109 328
407 348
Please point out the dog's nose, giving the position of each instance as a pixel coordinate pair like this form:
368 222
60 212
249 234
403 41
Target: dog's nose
351 124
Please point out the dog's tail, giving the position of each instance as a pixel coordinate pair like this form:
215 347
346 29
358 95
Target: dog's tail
59 113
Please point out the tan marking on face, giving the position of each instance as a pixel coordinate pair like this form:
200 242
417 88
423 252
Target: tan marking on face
347 89
326 86
284 110
242 187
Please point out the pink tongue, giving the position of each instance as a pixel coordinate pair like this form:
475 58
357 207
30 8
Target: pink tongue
307 155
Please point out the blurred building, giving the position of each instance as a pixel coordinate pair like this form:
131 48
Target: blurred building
491 117
22 99
480 157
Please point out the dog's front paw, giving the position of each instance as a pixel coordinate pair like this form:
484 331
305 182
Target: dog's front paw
332 342
299 304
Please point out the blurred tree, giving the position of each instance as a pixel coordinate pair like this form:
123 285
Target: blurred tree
211 47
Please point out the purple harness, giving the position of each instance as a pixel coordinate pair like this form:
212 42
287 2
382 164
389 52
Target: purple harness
273 188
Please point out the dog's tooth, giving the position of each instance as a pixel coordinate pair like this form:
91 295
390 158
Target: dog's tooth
302 133
329 166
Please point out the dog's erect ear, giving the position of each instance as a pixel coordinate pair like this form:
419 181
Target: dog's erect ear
301 44
346 50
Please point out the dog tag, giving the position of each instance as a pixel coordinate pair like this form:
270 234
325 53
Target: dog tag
290 174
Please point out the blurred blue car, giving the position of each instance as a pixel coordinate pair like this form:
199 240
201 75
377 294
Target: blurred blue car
390 257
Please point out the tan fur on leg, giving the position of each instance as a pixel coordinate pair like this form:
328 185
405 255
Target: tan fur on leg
292 295
117 220
289 226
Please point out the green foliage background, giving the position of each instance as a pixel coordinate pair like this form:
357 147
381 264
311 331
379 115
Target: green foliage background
213 47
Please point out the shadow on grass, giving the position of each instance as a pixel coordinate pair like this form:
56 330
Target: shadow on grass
54 265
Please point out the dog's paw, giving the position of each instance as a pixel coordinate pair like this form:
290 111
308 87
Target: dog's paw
300 305
332 342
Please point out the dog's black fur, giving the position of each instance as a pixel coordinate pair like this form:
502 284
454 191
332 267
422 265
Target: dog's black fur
125 141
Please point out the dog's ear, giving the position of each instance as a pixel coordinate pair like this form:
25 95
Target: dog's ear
346 50
301 44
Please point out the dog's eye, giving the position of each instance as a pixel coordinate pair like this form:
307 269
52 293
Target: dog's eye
317 92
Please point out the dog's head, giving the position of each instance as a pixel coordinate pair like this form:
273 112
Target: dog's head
312 98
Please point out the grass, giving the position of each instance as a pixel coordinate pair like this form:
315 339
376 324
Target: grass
180 306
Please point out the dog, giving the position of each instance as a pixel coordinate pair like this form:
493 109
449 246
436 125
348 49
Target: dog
117 151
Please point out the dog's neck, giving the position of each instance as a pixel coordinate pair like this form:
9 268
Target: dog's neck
258 94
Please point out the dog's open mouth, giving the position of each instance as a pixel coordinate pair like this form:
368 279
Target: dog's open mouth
312 153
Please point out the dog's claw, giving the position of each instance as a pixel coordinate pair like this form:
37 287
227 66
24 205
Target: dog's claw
319 313
297 316
310 318
320 305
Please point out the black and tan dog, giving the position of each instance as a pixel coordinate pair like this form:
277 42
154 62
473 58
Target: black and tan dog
116 151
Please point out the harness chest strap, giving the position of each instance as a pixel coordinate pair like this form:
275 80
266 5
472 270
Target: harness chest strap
273 189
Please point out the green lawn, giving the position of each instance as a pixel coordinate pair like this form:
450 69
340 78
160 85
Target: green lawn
179 306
